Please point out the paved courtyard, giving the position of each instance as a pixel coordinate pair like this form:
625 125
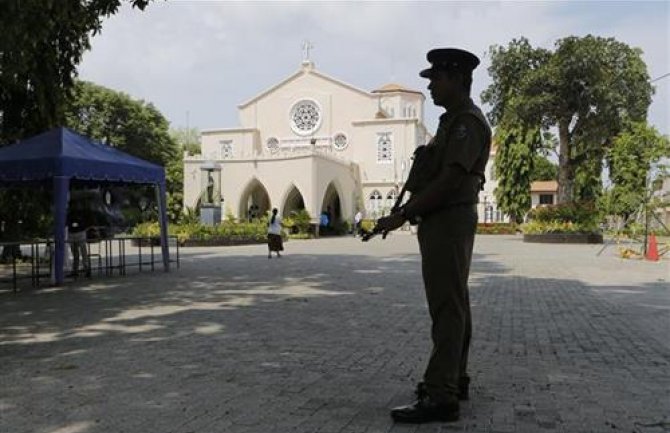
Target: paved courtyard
331 336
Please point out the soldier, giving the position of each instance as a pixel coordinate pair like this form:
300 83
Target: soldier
443 202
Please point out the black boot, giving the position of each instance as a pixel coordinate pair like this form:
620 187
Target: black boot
463 389
426 410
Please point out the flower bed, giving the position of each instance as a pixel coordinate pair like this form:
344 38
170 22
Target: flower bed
195 234
496 228
565 223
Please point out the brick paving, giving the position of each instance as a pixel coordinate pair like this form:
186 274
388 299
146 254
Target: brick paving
331 336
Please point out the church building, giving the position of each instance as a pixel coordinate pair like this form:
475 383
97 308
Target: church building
311 142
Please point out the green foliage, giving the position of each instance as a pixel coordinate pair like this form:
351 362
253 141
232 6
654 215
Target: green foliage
563 218
226 232
514 165
129 125
190 216
539 227
588 87
302 220
187 138
42 43
174 175
568 212
132 126
588 185
634 152
27 213
543 169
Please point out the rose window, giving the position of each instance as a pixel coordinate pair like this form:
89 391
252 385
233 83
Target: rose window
305 117
272 144
340 141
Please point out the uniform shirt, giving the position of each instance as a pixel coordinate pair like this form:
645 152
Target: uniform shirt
462 144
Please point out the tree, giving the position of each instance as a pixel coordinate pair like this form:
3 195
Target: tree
518 139
130 125
543 169
514 165
42 43
187 138
588 88
634 152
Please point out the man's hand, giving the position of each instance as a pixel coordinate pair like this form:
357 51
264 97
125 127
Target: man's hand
391 222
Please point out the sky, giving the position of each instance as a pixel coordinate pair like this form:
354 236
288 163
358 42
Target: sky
196 61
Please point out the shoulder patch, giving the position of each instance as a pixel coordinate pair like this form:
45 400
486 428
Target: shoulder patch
461 132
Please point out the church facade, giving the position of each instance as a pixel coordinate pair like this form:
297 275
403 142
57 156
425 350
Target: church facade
311 142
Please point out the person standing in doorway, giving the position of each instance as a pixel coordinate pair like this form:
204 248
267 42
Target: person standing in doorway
444 205
275 242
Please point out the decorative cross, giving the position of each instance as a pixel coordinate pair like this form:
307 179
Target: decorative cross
306 46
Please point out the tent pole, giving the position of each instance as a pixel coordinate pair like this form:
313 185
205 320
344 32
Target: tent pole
162 215
61 188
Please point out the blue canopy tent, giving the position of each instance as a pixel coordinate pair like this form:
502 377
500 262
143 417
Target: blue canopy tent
61 155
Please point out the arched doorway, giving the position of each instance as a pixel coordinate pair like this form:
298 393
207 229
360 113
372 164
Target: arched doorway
293 202
255 201
332 205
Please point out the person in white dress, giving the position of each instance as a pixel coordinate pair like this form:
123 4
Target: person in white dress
275 242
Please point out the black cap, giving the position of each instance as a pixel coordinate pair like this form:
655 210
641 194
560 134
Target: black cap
449 59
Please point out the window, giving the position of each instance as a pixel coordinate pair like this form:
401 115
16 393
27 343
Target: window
272 144
340 141
409 111
375 203
488 214
390 198
546 199
384 148
305 117
226 149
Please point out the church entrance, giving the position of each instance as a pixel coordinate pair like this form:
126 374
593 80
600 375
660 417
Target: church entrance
255 202
331 210
294 202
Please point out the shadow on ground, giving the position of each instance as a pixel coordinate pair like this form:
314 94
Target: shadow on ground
322 343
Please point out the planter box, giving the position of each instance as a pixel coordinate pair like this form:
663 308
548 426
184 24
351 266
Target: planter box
564 238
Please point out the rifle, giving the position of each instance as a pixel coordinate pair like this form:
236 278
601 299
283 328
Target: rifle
412 184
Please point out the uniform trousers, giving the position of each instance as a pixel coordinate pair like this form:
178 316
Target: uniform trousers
446 239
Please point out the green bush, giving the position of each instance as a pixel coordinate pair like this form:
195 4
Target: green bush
539 227
563 218
582 213
302 220
256 231
147 230
190 216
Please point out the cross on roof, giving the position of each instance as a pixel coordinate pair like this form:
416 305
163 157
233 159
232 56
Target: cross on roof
306 46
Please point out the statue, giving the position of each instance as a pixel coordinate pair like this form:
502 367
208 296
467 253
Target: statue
210 188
